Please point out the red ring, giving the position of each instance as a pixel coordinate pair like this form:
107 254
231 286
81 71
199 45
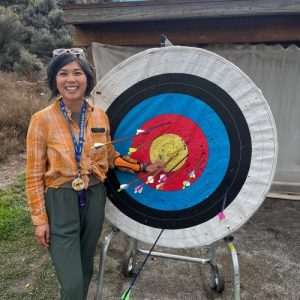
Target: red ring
193 137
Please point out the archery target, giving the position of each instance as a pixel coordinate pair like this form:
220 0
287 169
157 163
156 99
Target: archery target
210 126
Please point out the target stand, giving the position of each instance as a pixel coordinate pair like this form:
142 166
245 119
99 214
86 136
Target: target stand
130 267
212 128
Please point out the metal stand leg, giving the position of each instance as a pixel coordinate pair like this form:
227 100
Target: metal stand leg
236 268
213 254
105 248
217 280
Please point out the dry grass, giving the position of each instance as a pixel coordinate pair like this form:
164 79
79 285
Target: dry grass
19 100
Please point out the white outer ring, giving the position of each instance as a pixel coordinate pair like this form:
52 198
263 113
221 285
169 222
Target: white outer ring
202 63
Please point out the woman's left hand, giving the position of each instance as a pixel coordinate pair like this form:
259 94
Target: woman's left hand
154 167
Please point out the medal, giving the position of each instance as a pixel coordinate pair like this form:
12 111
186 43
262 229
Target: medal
78 184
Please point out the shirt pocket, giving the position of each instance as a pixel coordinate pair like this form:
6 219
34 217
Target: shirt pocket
98 135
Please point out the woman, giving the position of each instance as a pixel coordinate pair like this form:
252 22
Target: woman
65 173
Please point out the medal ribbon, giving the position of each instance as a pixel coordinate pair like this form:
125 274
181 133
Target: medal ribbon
77 145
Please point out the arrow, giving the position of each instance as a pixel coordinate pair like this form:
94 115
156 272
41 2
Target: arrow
127 185
192 174
138 132
99 145
154 127
150 178
132 149
221 214
175 174
127 293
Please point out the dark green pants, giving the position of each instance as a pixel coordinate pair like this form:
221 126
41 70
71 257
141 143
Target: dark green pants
74 233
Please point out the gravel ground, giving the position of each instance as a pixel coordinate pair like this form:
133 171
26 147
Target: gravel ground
269 258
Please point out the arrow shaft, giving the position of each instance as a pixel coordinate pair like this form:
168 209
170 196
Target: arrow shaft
146 131
199 163
142 266
175 174
157 126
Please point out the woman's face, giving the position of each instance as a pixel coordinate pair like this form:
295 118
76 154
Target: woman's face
71 82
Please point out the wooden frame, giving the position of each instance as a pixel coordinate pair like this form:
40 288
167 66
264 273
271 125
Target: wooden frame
185 22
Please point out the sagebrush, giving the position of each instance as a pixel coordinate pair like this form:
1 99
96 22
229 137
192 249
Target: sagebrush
20 98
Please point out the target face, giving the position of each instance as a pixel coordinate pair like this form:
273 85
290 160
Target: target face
212 129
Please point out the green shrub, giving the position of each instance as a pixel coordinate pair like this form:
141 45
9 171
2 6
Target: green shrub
11 33
27 63
29 31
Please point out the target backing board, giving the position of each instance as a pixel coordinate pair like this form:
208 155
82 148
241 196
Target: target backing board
211 127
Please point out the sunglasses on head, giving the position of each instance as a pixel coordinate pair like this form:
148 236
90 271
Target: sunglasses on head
75 51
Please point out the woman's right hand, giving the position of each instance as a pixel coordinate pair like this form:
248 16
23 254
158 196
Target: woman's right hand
42 235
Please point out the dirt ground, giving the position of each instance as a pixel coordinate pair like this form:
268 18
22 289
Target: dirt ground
269 258
268 251
11 168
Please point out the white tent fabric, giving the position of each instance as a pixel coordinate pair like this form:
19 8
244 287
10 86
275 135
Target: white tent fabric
274 69
105 57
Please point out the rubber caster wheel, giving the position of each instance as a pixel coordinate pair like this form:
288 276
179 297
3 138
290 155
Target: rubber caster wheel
129 264
217 281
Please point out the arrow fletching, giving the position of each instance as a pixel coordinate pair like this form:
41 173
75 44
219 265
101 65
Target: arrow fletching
185 184
126 295
192 174
221 215
138 189
159 186
150 179
131 150
139 131
98 145
123 187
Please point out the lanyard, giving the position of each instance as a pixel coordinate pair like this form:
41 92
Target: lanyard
77 145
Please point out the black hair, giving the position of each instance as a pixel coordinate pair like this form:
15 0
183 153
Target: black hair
61 60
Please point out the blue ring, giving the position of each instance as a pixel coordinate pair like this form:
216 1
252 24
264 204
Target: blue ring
215 133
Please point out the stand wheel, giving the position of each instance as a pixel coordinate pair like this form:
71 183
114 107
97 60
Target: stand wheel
129 264
217 281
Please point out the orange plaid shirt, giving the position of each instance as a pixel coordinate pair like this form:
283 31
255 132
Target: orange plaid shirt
51 156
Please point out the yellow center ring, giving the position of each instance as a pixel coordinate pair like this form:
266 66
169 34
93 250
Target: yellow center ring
166 147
